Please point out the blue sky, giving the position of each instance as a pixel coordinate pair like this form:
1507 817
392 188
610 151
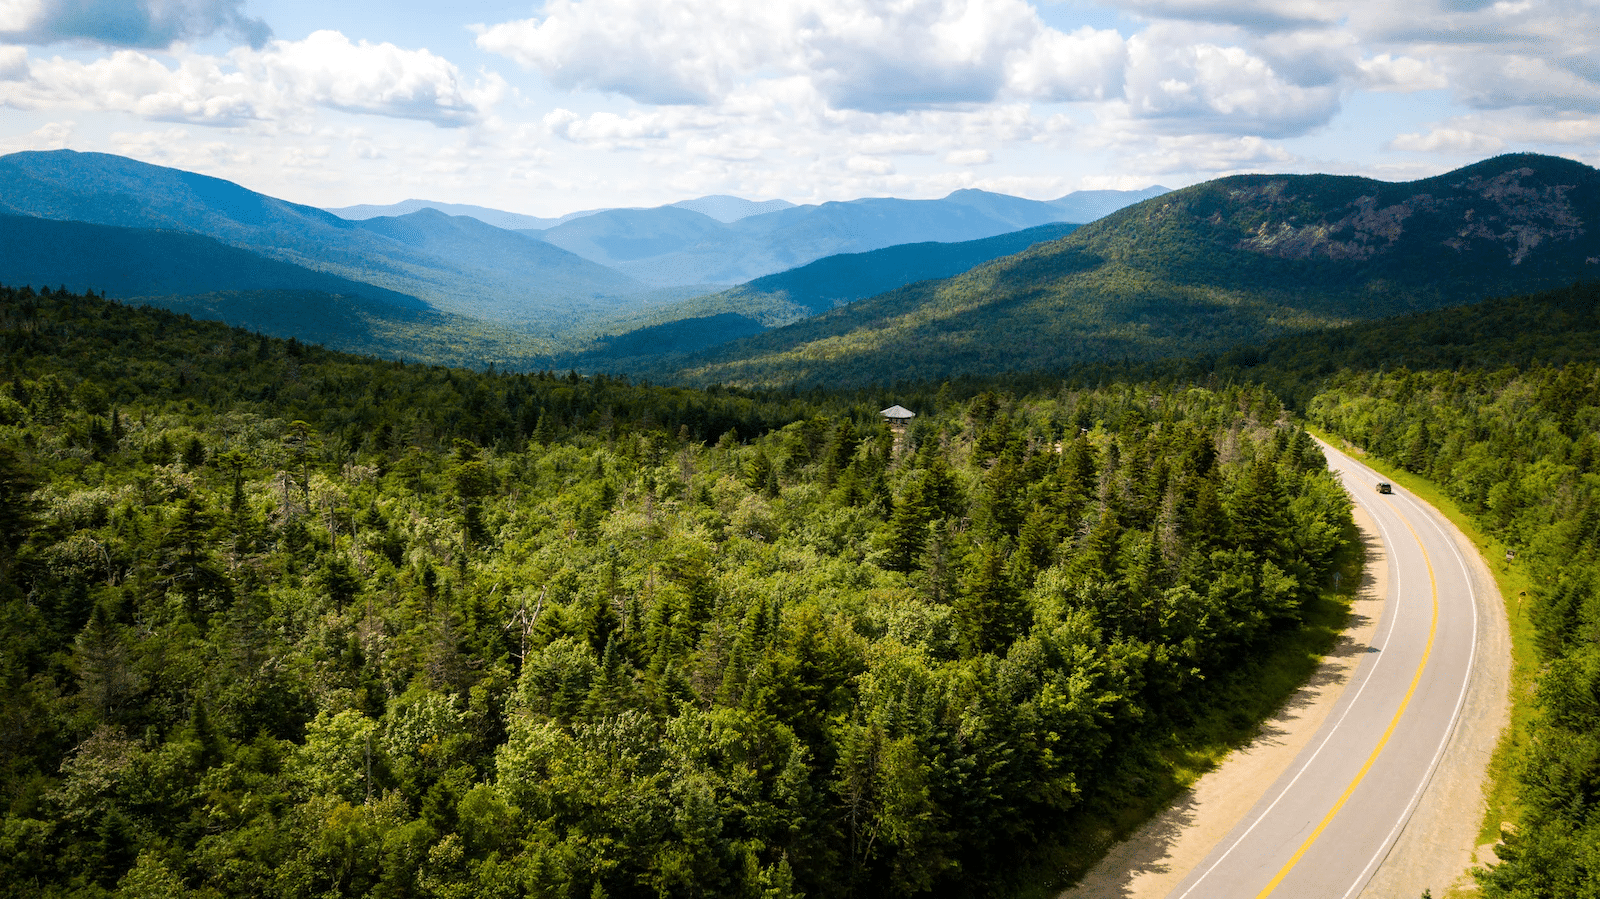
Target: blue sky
551 107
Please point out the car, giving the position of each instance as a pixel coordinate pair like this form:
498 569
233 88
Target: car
1385 487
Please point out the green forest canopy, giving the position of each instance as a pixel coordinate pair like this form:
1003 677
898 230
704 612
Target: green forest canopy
431 632
283 622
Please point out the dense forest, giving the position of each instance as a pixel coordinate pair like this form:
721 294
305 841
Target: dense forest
1517 448
277 621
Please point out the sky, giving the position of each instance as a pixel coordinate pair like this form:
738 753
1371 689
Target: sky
553 107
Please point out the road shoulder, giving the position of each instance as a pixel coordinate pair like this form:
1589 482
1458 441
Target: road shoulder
1161 853
1436 849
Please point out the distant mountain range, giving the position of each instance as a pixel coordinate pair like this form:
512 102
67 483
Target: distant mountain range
455 264
872 290
1203 268
721 241
133 262
510 221
720 207
673 330
190 241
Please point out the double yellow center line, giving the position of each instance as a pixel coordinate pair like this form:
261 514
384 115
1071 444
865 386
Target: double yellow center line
1433 627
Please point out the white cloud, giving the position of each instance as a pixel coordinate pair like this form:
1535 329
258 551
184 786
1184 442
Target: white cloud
869 165
284 80
1189 154
381 79
1203 87
607 129
1500 81
1255 15
52 136
1401 74
178 147
1496 130
1084 65
1447 140
871 55
1313 57
13 63
969 157
18 15
128 23
656 51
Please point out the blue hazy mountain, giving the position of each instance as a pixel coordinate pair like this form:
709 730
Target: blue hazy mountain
520 272
819 286
724 208
779 299
721 207
531 280
717 241
195 274
673 245
131 262
497 217
1091 205
603 273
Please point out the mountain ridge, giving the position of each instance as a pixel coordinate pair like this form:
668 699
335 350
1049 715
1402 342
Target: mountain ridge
112 190
1224 262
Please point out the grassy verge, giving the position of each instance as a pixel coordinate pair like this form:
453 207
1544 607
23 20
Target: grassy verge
1232 712
1512 580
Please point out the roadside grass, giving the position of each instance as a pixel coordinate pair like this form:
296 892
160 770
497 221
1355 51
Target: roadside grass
1511 578
1228 715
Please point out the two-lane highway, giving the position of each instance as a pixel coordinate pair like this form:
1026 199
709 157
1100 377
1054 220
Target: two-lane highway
1329 821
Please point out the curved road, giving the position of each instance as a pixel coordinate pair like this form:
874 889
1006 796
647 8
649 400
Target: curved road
1328 823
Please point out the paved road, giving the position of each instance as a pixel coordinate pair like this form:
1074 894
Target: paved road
1326 825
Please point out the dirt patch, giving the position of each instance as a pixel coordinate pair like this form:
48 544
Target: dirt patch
1151 862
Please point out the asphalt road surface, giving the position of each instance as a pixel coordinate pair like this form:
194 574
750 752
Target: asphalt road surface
1326 825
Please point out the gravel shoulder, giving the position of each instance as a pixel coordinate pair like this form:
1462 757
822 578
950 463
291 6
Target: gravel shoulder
1151 862
1437 847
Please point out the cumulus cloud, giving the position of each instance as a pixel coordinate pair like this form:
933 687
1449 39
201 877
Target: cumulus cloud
1500 81
1401 74
145 24
870 55
282 80
52 136
1494 131
607 130
889 57
13 63
969 157
1189 153
1254 15
1218 89
381 79
1087 64
1455 141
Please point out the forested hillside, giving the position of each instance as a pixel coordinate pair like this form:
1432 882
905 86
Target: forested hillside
1236 260
282 622
1499 404
1549 328
643 340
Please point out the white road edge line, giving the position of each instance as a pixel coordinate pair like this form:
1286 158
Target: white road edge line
1455 718
1394 562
